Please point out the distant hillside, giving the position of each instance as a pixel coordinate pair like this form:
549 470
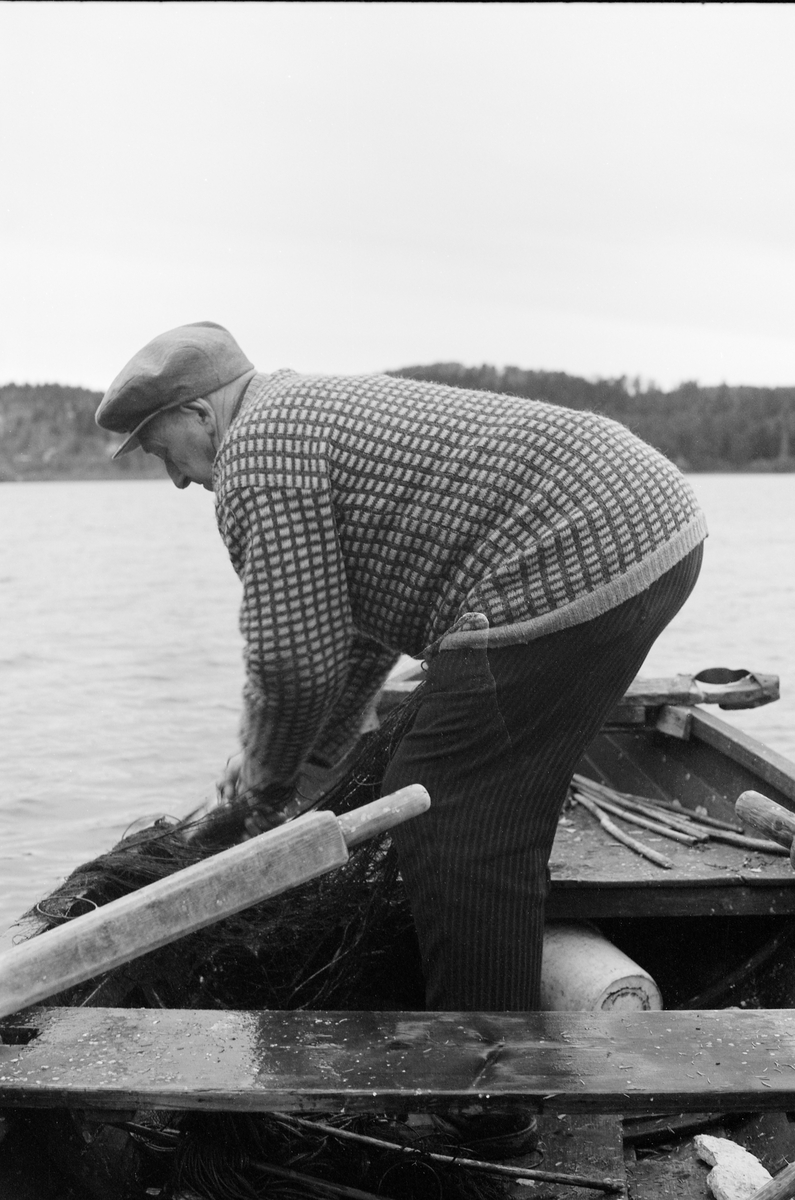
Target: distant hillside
700 428
48 431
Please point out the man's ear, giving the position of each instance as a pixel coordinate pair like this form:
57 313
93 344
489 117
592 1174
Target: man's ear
205 412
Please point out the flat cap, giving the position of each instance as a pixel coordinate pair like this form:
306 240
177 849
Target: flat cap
175 367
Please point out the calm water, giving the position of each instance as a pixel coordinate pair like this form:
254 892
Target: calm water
120 657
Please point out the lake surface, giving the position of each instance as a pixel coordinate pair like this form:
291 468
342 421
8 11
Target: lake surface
120 659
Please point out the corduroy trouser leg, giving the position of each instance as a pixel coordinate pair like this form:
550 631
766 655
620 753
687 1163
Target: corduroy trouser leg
495 741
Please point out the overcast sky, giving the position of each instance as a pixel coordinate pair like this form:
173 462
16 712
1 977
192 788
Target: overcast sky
599 189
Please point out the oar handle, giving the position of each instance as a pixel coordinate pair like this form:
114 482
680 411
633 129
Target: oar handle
372 819
226 823
773 819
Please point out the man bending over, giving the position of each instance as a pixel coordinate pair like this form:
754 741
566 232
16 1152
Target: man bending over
529 554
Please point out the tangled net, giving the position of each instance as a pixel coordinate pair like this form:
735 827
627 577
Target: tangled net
253 1156
345 940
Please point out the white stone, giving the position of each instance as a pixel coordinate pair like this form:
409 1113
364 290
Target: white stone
736 1174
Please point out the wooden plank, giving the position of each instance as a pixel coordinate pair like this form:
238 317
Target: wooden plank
693 771
627 712
674 721
749 691
738 746
727 1060
675 689
780 1188
575 902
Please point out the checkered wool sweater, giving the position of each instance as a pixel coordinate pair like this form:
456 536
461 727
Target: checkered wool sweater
371 515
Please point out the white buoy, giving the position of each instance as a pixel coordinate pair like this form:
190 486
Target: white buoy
584 972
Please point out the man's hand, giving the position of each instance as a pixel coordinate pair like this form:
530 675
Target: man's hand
227 786
243 779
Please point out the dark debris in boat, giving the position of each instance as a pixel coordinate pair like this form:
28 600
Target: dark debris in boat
231 1158
220 1156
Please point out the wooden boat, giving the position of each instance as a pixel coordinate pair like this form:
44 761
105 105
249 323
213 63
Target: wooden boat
715 929
711 929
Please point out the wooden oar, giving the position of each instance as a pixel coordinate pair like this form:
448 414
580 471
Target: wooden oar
192 898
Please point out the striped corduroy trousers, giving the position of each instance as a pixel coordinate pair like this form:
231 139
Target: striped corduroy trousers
495 741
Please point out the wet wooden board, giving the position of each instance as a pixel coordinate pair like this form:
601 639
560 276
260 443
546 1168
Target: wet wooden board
595 876
730 1060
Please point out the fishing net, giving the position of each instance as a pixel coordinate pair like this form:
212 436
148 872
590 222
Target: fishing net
245 1156
343 941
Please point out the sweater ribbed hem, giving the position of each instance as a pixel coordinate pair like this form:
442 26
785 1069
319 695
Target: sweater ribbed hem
636 580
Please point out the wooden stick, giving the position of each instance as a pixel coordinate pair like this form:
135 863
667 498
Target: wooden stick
699 818
601 789
675 806
716 834
749 843
780 1187
314 1182
644 822
193 898
682 823
632 814
584 1181
610 827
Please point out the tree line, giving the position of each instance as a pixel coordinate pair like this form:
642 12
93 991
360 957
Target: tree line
700 428
47 431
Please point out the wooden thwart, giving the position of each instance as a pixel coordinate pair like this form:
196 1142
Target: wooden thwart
727 1060
191 899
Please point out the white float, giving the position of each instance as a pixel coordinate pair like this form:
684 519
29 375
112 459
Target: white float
584 972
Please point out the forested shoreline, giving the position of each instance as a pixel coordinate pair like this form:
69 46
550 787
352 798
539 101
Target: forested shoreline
700 428
47 431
